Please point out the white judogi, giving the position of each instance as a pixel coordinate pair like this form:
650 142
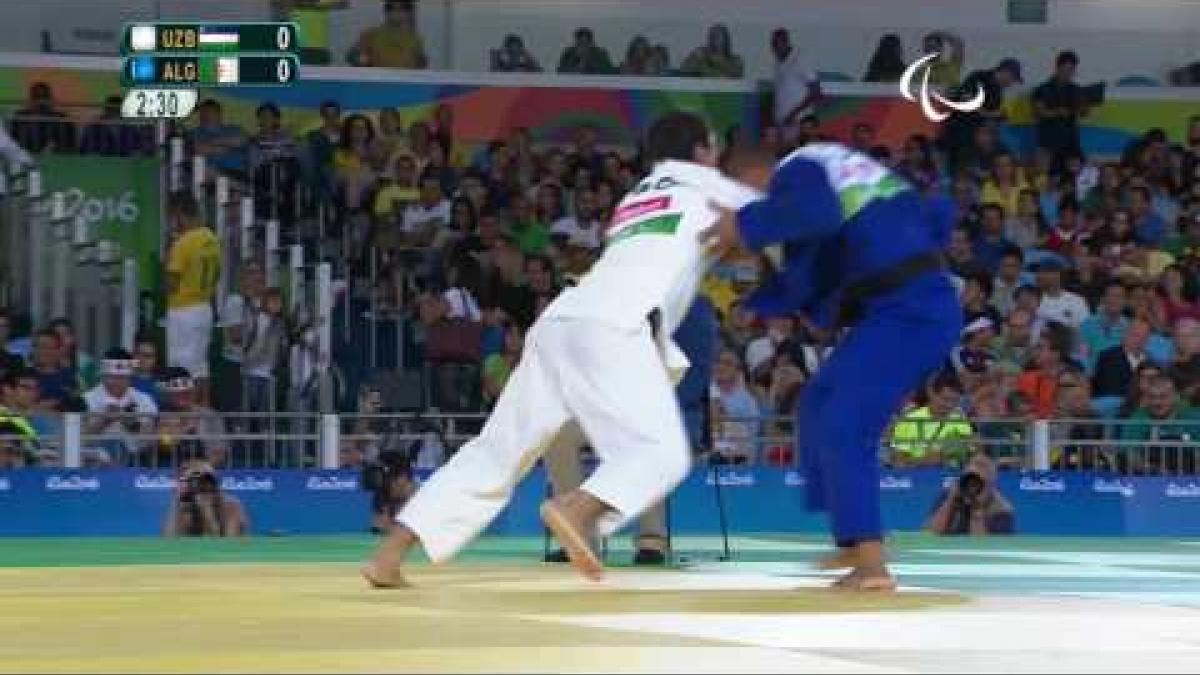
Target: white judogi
592 357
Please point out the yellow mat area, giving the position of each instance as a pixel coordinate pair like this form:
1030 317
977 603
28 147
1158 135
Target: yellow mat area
320 618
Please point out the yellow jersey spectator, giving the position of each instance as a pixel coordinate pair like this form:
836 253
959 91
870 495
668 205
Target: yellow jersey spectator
193 270
935 434
395 43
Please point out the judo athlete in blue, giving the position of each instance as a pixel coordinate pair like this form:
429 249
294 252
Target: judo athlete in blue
861 251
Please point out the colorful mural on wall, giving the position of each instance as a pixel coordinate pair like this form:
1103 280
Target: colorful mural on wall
551 113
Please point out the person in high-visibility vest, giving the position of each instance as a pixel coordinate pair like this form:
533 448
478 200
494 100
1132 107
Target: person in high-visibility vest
18 438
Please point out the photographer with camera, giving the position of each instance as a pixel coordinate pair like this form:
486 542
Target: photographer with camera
200 509
973 505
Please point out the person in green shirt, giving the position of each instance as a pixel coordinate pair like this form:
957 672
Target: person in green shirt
530 235
937 433
1187 243
1163 416
499 366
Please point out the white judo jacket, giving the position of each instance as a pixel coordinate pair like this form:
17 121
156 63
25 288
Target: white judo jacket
653 258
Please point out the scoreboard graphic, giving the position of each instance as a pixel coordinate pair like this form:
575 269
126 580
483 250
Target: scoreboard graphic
165 63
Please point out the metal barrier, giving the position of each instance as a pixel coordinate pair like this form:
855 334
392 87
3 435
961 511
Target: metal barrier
312 440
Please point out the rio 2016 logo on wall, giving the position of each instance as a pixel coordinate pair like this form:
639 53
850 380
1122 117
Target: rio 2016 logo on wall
926 97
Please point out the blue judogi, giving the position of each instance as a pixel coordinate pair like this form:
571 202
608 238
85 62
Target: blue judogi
844 219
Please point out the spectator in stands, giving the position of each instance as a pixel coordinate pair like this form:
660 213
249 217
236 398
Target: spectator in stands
58 384
200 508
917 163
936 434
1184 368
946 70
193 268
222 145
797 88
1109 192
1177 296
354 170
1058 104
9 362
1104 329
715 58
960 254
80 363
187 430
426 220
585 57
781 330
660 61
1050 359
110 136
1115 366
512 57
1004 185
1149 228
1073 401
887 63
862 137
735 413
976 290
264 341
1014 346
973 505
639 57
1026 227
147 369
237 321
532 236
271 143
40 126
116 410
585 225
778 384
991 244
1059 304
463 281
1161 403
21 397
395 43
324 141
1009 277
539 275
498 366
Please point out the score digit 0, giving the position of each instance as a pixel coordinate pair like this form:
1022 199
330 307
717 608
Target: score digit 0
283 69
283 38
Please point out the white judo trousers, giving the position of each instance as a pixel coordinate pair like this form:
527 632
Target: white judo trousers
610 380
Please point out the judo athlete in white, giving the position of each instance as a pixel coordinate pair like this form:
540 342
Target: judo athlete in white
600 356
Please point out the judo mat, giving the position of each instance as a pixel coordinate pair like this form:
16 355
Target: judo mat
297 605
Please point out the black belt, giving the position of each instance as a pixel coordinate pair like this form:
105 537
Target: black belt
856 295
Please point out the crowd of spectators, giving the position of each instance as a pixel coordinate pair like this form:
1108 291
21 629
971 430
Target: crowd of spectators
1078 274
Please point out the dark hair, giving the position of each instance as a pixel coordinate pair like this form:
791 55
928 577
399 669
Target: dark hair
984 281
39 89
15 375
1065 58
675 136
584 33
46 333
887 63
992 206
348 123
945 380
542 260
1013 251
268 107
117 354
1140 189
210 103
183 203
1026 288
330 104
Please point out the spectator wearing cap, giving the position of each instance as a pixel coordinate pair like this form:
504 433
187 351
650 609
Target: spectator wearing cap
959 129
585 57
1115 366
937 433
187 430
1058 304
395 43
117 411
974 358
1057 105
1104 329
513 57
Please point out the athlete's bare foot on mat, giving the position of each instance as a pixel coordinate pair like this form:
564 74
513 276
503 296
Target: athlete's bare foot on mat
571 520
870 572
383 569
843 558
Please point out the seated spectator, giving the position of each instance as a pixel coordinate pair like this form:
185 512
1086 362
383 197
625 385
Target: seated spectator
395 43
40 126
463 279
735 413
974 295
1161 404
1009 277
1109 191
1026 227
1177 296
1014 346
585 57
188 431
1186 246
499 366
862 137
1104 329
117 412
946 70
1050 358
147 369
639 58
991 244
584 226
1114 242
1115 366
887 63
9 361
512 57
222 145
112 136
715 58
1004 184
973 505
531 234
540 276
917 163
1073 402
391 135
974 357
200 508
960 255
85 367
426 221
21 399
780 330
1149 228
936 434
57 382
1059 304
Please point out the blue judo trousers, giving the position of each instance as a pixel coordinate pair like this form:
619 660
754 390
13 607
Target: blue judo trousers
841 218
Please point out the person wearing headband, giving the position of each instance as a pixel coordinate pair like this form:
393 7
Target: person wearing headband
187 430
116 411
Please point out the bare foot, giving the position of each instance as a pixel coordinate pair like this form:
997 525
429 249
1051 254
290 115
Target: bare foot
380 578
866 580
843 558
574 539
383 570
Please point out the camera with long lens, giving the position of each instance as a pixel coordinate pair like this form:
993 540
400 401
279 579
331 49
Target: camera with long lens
970 487
202 482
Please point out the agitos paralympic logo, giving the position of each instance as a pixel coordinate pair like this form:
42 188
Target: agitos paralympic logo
928 96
